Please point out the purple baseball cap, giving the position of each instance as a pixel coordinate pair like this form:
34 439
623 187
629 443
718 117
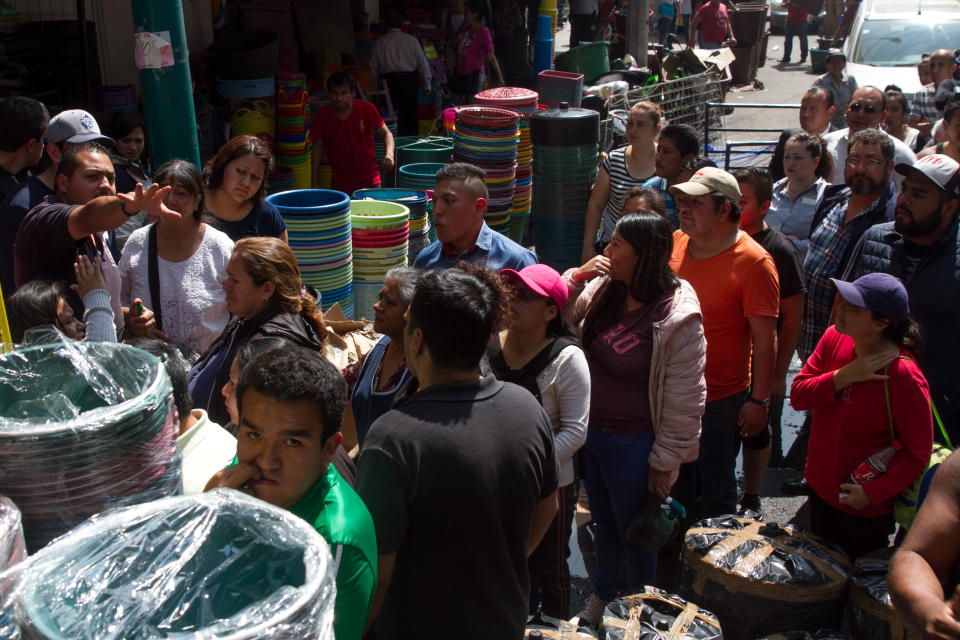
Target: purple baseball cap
880 292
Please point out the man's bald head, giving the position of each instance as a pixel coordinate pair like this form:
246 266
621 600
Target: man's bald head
942 65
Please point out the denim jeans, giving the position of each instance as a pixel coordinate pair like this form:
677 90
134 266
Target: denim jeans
712 478
616 483
664 27
790 30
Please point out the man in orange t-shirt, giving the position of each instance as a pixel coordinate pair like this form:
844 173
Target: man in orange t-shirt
736 282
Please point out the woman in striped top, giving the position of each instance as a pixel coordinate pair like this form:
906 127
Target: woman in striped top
623 168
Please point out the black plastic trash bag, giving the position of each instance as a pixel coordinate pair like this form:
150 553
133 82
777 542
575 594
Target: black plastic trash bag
761 578
869 614
658 615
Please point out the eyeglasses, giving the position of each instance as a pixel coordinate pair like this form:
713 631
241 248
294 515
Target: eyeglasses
867 108
870 163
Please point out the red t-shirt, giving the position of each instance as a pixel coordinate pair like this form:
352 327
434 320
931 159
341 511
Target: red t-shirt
796 15
850 425
738 283
349 145
713 22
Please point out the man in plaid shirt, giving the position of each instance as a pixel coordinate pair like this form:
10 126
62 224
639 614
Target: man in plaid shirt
844 214
924 113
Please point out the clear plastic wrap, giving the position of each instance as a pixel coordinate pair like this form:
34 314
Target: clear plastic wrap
658 615
218 565
761 578
84 427
869 614
12 546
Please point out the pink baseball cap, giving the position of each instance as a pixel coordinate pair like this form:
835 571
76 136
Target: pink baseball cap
543 280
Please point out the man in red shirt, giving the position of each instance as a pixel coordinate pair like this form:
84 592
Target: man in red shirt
346 128
715 26
795 25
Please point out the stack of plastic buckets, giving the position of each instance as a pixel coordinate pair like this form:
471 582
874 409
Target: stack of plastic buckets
488 137
293 128
525 102
416 202
380 233
421 176
555 87
318 224
565 151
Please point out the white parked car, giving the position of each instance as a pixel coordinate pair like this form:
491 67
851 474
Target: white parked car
888 37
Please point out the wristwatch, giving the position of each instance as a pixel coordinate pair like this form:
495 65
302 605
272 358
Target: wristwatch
123 208
762 403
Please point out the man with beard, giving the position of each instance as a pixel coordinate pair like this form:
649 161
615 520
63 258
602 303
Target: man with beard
71 223
867 109
816 109
922 248
844 214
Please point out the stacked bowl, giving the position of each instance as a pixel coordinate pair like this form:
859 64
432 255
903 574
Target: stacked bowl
84 427
380 233
416 202
560 86
293 127
525 102
421 176
566 147
318 224
488 137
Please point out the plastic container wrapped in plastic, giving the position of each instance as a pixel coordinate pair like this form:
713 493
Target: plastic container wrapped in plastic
870 614
820 634
556 629
218 565
12 546
658 615
761 578
83 428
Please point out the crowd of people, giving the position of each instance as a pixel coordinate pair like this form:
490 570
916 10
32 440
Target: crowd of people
444 468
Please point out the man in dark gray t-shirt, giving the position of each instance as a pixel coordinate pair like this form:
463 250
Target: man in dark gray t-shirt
460 477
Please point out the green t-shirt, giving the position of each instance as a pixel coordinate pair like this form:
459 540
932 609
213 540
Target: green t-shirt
340 517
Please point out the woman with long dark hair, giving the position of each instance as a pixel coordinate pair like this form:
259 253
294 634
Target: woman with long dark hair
642 332
868 398
176 268
267 299
235 181
539 351
127 129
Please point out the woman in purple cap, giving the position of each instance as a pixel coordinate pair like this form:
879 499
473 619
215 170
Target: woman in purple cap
872 430
643 336
539 351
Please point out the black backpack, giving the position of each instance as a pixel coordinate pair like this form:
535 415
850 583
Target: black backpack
527 376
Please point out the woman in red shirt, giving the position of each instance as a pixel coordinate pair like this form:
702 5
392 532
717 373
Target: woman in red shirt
874 339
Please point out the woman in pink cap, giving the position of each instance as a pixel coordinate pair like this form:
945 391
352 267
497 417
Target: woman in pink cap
642 332
540 352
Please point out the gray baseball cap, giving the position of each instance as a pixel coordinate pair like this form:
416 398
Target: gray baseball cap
75 126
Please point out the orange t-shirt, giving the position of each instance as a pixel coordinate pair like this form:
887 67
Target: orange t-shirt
736 284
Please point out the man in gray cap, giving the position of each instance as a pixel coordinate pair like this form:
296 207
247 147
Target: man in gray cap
65 128
736 282
839 84
922 248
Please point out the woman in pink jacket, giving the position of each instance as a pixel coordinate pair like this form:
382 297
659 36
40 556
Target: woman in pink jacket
642 334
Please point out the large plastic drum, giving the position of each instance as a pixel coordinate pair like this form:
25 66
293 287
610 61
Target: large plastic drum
761 578
84 427
218 565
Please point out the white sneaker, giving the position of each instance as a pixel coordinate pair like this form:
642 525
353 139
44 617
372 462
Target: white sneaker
592 612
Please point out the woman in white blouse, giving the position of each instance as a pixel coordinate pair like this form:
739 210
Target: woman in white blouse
174 269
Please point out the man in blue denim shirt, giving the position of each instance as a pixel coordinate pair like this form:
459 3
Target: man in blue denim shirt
459 202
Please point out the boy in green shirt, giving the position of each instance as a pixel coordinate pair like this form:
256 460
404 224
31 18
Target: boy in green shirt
291 403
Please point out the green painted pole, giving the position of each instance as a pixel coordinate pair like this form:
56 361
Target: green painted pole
162 57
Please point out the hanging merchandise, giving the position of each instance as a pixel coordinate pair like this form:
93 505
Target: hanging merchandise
737 566
217 565
565 164
525 102
318 226
488 137
84 427
380 234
